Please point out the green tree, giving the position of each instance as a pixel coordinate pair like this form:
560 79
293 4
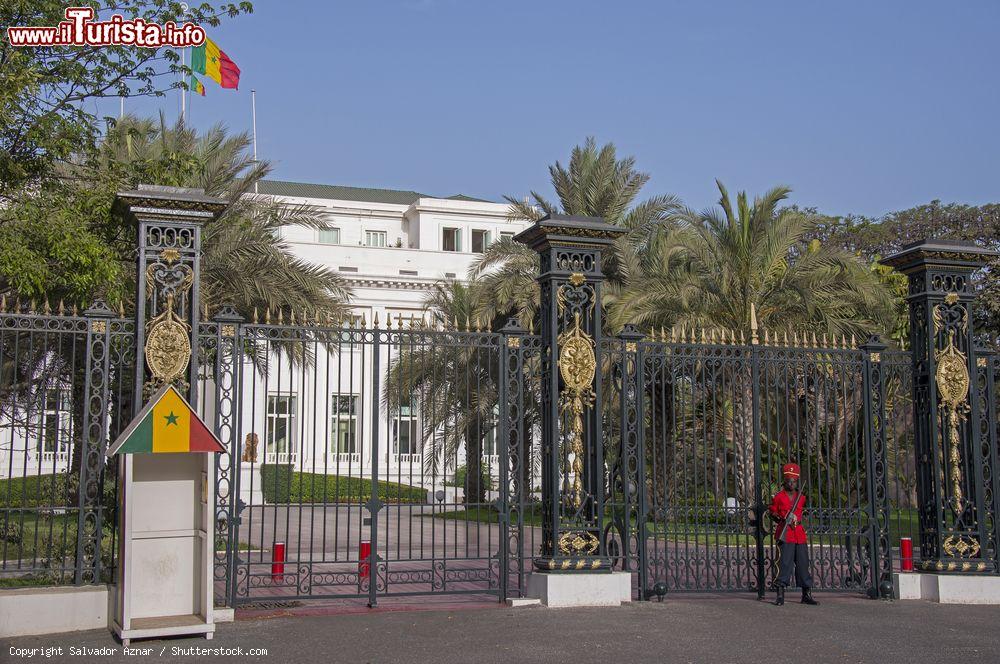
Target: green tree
245 262
709 270
47 94
722 264
594 184
453 384
874 238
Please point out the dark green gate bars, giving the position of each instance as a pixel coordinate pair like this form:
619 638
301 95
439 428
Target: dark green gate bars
954 409
573 470
722 411
433 453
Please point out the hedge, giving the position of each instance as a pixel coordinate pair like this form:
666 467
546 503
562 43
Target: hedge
281 484
48 490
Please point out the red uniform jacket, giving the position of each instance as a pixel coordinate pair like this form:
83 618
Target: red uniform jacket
780 507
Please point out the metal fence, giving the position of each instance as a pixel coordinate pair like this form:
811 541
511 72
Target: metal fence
65 389
430 455
420 441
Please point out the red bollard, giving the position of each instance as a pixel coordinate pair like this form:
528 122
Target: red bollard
278 562
906 553
364 554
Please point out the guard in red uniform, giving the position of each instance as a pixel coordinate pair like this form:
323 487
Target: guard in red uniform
791 540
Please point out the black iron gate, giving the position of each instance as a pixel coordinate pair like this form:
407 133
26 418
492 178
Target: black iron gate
722 415
368 460
427 454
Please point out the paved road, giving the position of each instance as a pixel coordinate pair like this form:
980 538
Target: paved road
690 629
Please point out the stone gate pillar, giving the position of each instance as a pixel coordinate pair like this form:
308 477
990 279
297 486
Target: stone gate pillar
954 455
570 319
168 223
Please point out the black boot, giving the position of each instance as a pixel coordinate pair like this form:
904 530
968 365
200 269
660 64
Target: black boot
780 600
807 597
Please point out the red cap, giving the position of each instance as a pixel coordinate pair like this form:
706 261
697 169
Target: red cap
790 470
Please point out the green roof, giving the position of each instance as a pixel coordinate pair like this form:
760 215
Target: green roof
341 193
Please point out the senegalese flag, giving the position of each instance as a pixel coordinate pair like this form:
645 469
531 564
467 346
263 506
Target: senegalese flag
210 60
167 424
196 86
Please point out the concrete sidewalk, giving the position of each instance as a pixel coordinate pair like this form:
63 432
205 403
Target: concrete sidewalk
684 629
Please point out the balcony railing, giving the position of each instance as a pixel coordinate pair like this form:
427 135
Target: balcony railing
281 457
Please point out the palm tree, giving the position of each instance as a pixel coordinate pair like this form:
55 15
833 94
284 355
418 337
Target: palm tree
719 265
595 184
712 268
245 262
453 384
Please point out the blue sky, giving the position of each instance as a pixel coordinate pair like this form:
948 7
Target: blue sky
860 107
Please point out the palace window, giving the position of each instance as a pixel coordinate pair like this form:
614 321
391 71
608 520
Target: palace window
280 435
480 240
329 236
344 427
405 441
451 239
57 426
375 238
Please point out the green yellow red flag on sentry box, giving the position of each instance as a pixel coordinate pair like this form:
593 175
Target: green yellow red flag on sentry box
196 86
166 425
210 60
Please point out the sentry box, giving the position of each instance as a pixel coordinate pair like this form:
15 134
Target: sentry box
166 465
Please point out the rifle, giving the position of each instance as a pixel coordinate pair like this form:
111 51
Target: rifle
784 527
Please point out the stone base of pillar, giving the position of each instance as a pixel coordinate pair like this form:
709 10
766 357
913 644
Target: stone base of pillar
947 588
556 589
250 484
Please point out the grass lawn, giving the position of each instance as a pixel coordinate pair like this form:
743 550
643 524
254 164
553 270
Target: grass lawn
40 536
488 514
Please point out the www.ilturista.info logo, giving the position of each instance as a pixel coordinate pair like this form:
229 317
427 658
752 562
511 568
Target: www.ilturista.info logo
79 29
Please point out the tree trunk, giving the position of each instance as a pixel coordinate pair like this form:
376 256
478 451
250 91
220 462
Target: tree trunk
475 487
743 442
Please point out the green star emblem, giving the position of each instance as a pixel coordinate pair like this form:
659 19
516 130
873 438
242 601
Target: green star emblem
171 419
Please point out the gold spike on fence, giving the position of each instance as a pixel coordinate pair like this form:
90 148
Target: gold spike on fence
854 341
61 310
754 337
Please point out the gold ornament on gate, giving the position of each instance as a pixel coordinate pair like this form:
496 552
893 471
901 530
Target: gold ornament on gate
168 346
577 366
952 379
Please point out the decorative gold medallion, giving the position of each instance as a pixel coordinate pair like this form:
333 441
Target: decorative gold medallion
577 366
573 543
952 379
168 347
961 546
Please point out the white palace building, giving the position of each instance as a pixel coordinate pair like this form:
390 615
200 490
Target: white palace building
390 247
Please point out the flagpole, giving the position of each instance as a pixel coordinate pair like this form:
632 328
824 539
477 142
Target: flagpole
253 115
184 14
183 91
